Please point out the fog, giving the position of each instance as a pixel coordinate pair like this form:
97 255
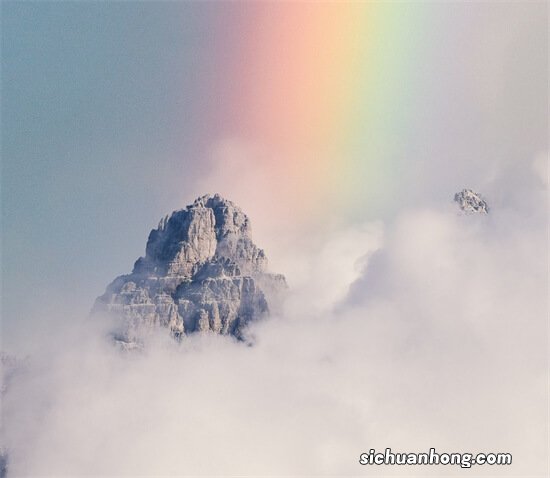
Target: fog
424 329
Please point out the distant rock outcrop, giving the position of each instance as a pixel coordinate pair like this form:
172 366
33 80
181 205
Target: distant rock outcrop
201 272
471 202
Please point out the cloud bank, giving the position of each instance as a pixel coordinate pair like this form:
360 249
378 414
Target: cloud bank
426 329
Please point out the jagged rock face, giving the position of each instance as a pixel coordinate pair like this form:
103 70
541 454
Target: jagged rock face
201 272
471 202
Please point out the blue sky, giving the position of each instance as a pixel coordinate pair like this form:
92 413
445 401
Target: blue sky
108 120
94 102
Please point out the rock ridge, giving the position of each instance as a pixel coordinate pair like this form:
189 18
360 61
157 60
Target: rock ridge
471 202
201 272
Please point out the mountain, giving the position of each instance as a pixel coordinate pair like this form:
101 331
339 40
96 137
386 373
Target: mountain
471 202
201 272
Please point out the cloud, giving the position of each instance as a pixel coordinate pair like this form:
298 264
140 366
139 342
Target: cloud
540 167
426 330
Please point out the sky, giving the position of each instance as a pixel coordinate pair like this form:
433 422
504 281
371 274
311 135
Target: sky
115 114
343 130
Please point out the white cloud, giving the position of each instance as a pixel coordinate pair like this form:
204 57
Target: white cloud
540 166
439 342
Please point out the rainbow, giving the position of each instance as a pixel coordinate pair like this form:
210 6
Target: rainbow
327 88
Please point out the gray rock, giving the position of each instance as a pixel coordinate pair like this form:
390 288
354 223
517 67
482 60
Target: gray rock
201 272
3 462
471 202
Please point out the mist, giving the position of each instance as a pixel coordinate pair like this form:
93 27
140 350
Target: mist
427 328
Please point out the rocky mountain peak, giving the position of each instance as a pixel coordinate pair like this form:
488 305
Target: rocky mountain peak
211 226
201 271
471 202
